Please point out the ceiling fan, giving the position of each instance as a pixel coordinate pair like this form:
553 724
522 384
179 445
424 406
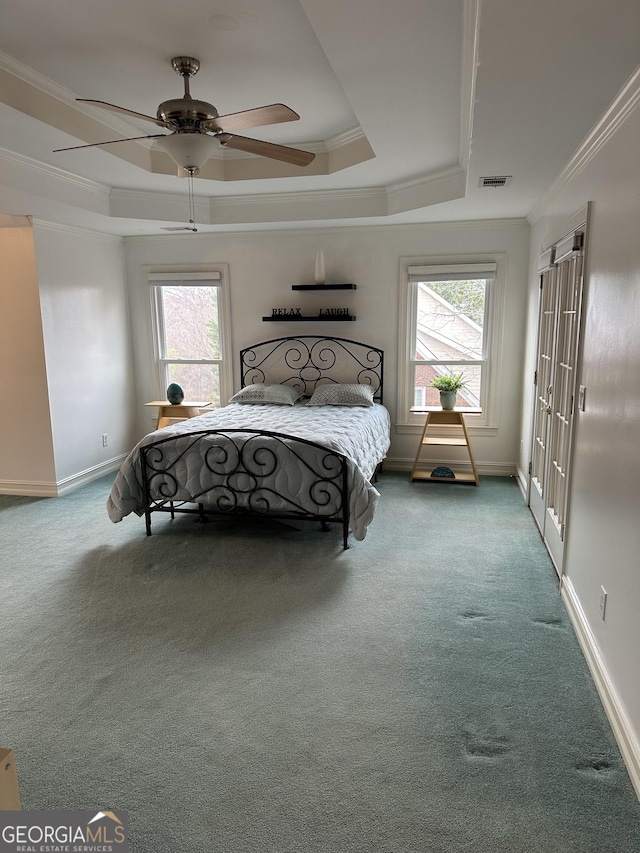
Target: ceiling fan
195 127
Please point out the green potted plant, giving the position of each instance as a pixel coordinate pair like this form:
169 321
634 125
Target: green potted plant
448 385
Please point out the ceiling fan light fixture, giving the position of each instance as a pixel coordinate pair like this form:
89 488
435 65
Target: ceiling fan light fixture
189 151
195 127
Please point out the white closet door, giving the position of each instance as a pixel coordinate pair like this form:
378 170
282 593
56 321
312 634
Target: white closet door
558 347
547 315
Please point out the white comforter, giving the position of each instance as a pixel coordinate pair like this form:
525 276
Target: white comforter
360 433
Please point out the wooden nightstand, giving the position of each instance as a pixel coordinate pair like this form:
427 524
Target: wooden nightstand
435 416
168 411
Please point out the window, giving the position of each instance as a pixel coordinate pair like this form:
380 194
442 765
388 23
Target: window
192 334
448 317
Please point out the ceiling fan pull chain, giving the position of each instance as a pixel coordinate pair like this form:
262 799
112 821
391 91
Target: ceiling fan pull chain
192 206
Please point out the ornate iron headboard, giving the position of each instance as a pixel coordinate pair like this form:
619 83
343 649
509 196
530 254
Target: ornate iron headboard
305 361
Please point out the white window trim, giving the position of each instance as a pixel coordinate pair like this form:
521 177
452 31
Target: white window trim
490 402
217 274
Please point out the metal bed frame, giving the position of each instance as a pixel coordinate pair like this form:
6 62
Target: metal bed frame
246 461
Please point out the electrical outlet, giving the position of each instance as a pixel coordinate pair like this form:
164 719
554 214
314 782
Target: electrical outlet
603 602
105 439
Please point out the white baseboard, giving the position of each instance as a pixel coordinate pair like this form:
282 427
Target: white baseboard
35 489
69 484
28 488
622 728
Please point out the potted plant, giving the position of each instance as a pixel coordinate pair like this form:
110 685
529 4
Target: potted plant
448 385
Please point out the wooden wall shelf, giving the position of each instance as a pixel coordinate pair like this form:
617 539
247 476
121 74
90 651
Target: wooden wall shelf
288 318
316 318
323 287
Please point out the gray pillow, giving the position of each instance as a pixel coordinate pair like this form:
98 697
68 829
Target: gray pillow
275 395
342 395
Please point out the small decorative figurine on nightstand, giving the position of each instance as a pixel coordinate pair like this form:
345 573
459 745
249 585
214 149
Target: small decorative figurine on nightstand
175 394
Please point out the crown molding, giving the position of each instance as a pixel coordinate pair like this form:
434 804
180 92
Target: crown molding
49 87
157 207
424 180
469 72
309 205
14 159
76 229
314 196
270 207
346 137
621 108
300 207
446 185
34 78
241 234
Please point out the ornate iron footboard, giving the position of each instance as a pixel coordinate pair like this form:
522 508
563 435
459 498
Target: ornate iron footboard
243 471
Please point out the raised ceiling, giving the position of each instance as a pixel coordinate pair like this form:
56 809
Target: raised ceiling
405 104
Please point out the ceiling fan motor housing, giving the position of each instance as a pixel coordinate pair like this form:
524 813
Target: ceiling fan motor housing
186 114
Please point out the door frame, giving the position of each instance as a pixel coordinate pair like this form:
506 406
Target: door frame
556 541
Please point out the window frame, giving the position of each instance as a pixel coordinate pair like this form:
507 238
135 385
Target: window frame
216 276
493 267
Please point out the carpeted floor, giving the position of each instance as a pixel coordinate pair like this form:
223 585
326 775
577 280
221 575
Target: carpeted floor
241 688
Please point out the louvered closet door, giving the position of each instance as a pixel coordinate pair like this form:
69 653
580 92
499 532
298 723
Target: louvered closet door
558 347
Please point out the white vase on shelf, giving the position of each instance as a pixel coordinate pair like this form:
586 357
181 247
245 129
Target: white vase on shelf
319 274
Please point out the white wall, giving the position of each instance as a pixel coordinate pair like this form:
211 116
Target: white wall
26 447
87 349
603 531
264 264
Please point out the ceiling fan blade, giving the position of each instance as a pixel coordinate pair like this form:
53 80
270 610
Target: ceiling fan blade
109 142
267 149
273 114
105 106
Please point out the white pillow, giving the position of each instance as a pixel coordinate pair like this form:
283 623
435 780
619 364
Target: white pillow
342 395
275 395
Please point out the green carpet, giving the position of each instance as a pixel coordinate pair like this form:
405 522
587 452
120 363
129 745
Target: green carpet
241 688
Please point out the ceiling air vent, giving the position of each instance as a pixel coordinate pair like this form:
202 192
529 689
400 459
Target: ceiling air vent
495 181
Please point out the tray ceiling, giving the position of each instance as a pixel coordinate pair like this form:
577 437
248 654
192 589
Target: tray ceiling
406 105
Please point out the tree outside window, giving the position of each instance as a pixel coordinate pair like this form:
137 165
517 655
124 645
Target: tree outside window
449 337
190 346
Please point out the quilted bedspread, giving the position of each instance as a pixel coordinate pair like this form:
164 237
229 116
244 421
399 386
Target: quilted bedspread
360 433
